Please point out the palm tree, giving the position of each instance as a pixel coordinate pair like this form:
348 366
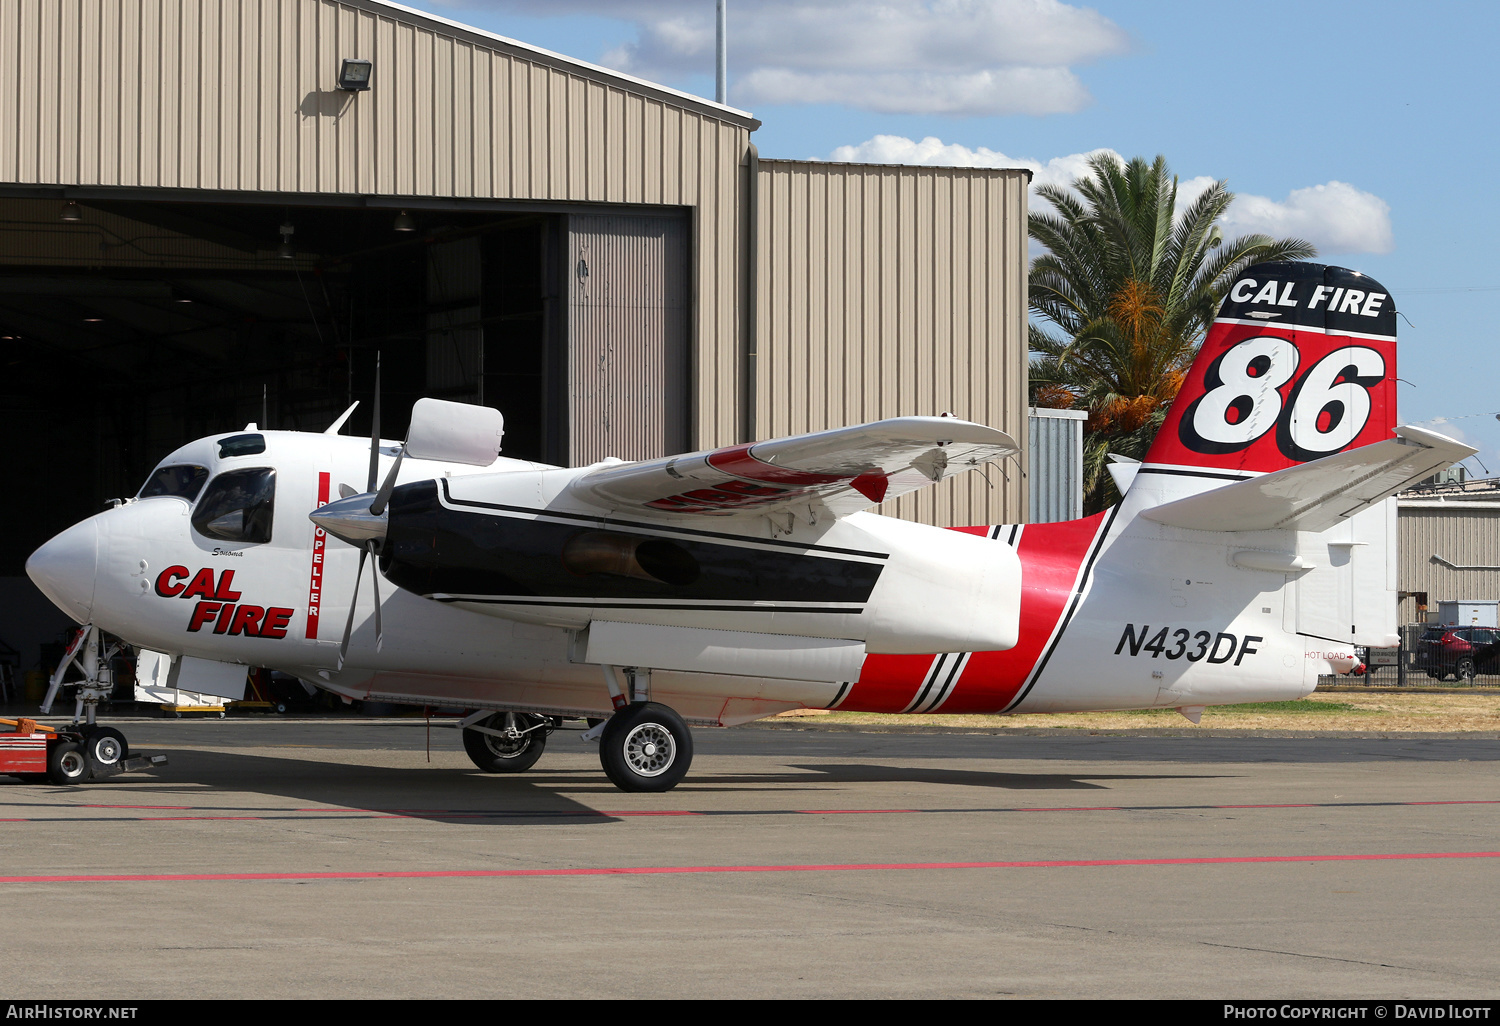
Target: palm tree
1132 284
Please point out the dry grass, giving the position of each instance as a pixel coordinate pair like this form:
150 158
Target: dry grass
1444 712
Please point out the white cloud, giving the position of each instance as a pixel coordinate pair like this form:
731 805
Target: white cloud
933 152
962 57
1336 217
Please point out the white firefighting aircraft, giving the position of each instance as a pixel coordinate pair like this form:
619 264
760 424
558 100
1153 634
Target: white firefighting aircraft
1253 549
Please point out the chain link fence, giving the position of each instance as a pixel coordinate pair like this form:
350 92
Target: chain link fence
1430 656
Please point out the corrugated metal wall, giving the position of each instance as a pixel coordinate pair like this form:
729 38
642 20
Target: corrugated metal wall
1462 533
628 303
241 95
1054 473
887 291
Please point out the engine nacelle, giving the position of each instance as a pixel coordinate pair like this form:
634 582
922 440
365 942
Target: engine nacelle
941 591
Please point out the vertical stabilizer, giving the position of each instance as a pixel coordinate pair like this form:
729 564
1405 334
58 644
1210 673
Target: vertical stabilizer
1299 364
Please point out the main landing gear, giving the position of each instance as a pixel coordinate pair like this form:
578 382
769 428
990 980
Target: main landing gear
644 746
506 742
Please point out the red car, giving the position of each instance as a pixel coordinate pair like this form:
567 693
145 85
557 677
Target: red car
1460 651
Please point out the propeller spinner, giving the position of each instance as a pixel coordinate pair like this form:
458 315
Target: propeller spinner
440 430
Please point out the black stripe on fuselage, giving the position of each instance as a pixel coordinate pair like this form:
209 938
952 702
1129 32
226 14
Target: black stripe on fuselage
435 549
658 606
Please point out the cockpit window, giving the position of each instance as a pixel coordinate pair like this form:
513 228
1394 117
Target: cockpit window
184 480
241 445
237 506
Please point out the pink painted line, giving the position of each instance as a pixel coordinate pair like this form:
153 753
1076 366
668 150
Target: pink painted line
439 874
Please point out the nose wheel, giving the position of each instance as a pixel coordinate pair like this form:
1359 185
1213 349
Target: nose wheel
106 746
645 747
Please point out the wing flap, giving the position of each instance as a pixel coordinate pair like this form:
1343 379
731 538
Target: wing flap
1315 496
845 470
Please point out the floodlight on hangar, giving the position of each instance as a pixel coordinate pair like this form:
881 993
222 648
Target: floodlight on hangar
354 74
404 222
71 214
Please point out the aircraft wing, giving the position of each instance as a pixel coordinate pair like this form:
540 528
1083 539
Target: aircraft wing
1315 496
846 469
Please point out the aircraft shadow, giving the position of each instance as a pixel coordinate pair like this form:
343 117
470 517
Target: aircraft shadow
193 782
193 777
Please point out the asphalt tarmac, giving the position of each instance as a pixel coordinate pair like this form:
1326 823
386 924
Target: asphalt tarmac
331 858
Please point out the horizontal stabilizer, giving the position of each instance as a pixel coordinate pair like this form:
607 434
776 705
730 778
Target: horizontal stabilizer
1315 496
846 469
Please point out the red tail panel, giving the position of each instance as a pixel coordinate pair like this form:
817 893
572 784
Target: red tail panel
1299 364
1052 558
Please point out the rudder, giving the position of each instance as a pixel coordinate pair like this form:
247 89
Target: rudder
1299 364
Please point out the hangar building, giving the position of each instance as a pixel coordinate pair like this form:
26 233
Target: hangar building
1449 546
200 228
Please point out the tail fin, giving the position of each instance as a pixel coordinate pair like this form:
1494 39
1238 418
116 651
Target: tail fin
1299 364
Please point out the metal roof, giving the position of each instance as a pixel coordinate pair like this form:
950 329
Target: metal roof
573 64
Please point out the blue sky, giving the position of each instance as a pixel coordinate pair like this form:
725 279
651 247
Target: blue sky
1368 127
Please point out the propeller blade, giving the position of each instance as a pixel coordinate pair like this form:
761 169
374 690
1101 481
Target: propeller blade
346 490
353 601
384 495
375 584
375 431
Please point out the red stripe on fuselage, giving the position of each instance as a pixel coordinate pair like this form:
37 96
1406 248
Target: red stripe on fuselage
1051 555
315 571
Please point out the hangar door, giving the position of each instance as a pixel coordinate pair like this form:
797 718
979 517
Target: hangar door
628 299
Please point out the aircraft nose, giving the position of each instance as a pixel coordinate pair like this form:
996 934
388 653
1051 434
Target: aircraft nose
64 569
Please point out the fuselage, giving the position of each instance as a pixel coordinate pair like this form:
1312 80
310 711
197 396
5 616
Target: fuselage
1114 611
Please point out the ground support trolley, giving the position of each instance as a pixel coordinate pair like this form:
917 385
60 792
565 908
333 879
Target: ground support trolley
67 755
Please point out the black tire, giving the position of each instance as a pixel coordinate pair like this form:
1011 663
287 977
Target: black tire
1463 670
106 746
504 755
645 747
67 763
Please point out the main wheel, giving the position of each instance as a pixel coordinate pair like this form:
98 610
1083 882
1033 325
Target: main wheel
67 764
106 746
645 747
514 753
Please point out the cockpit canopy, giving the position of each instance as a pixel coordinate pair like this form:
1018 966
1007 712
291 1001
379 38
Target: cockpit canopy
238 506
181 480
